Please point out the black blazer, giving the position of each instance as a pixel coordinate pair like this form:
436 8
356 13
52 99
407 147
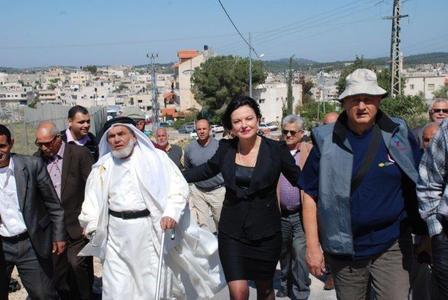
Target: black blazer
76 166
251 213
92 144
39 203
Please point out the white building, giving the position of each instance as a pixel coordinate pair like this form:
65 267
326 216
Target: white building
272 98
3 78
424 84
188 61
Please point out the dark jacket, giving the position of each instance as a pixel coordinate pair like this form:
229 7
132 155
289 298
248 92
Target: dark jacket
39 203
92 144
76 165
251 213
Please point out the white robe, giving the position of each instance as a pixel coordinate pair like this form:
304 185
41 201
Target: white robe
192 257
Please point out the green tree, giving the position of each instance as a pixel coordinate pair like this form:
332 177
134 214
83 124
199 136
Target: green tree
313 111
442 92
220 79
307 85
412 109
289 96
91 68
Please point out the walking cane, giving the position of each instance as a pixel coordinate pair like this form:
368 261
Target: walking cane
159 268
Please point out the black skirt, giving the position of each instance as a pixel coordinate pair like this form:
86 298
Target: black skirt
243 259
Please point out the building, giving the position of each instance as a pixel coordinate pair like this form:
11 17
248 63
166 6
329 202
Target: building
188 61
424 84
272 99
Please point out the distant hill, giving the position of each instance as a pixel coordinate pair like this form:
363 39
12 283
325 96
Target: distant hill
281 65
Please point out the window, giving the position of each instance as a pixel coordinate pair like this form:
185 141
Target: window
411 86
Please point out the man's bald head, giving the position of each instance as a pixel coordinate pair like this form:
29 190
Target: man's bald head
161 137
48 138
429 132
331 117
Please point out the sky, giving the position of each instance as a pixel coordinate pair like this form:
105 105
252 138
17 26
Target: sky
117 32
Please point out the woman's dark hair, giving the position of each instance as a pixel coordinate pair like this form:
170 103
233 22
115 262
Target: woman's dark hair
237 103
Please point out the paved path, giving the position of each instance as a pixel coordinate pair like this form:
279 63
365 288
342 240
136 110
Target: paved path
317 291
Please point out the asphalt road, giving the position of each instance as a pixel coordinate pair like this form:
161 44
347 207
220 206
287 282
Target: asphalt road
317 291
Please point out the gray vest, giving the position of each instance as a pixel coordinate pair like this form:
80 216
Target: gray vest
335 175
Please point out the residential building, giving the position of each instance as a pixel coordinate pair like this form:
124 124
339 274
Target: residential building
424 84
188 61
272 97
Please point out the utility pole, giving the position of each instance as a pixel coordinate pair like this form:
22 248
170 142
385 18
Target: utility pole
154 92
250 66
395 64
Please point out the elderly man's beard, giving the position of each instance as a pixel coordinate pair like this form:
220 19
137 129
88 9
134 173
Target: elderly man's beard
126 151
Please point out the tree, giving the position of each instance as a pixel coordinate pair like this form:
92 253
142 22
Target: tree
220 79
442 92
312 112
412 109
289 96
91 68
307 85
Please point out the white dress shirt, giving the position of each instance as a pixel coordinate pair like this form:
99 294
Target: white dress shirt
12 222
124 192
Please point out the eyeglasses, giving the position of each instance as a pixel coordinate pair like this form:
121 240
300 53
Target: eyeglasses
439 110
46 144
291 132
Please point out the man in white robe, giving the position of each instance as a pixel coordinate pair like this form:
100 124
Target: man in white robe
133 193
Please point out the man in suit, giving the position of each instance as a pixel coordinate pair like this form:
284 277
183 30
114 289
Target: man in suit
69 166
78 130
32 222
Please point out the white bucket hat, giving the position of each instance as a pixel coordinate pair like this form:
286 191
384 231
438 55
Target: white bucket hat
362 82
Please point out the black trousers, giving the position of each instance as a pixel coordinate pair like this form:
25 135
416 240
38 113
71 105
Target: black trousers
440 265
35 273
73 274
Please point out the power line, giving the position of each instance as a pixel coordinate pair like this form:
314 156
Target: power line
312 22
236 28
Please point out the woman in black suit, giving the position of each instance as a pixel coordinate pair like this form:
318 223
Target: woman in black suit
249 229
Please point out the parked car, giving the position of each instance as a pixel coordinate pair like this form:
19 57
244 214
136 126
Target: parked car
263 126
193 134
273 126
164 124
186 128
217 128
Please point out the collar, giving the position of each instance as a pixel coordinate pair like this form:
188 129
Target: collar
71 138
10 167
60 153
341 127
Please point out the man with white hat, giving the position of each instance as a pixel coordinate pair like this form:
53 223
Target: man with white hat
360 199
133 193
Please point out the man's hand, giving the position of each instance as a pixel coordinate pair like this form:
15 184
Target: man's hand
167 223
315 261
424 245
58 247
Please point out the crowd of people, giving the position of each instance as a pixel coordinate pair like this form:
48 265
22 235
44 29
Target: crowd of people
361 204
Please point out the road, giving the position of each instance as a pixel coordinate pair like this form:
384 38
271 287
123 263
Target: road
317 291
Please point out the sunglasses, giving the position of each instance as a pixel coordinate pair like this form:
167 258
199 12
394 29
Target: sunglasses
291 132
439 110
46 144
